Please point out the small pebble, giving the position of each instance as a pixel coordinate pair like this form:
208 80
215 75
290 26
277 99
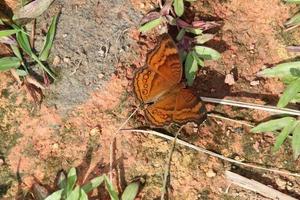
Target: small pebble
67 60
1 161
56 61
281 183
229 79
210 173
55 146
254 83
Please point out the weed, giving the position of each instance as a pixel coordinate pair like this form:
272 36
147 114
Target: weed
68 189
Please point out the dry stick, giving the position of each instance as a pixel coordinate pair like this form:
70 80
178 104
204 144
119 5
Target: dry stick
271 109
167 169
199 149
231 120
113 141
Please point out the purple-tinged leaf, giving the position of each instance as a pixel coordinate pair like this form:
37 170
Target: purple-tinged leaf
33 9
182 24
165 10
8 40
150 17
205 25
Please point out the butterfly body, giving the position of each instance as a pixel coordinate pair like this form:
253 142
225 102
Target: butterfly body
159 83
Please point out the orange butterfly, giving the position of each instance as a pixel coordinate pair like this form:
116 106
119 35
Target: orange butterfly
158 84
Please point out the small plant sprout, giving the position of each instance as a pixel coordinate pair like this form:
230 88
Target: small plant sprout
288 126
16 37
70 190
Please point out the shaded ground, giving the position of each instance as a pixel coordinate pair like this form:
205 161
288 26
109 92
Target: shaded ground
98 48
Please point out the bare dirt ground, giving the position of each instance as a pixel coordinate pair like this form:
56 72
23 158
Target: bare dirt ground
98 48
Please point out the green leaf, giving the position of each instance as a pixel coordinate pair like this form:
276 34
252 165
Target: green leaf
180 35
24 43
71 180
49 40
296 141
111 190
199 61
5 33
207 53
83 195
131 191
272 125
75 194
16 51
21 72
55 195
178 7
150 25
190 68
94 183
201 39
290 92
282 70
196 31
296 99
294 21
7 63
284 134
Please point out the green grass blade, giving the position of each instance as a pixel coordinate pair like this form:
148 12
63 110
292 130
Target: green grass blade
150 25
16 51
71 180
83 195
111 190
94 183
24 43
7 63
207 53
131 191
294 21
296 141
282 70
190 68
75 194
178 7
290 92
272 125
292 1
33 56
49 40
55 195
5 33
284 134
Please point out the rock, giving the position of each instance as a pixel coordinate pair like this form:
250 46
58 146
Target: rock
254 83
229 79
210 173
56 61
281 183
1 161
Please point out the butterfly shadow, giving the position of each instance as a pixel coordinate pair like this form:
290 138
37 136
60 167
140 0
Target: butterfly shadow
211 83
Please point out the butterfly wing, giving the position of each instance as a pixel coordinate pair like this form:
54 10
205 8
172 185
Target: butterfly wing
162 72
188 107
179 105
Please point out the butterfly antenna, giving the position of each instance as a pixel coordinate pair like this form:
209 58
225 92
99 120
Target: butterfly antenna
111 156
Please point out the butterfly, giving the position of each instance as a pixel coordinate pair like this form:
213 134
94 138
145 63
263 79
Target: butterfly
158 84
